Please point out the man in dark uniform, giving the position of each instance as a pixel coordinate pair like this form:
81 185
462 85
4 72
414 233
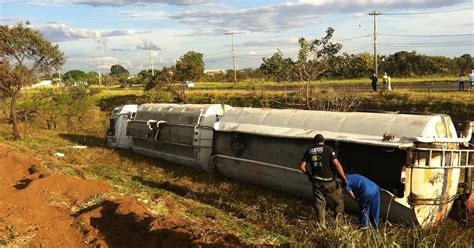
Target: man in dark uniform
316 163
374 80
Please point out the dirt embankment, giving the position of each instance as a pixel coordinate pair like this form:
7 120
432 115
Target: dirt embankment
42 210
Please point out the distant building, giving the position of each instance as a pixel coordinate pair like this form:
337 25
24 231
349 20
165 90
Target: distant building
44 83
214 71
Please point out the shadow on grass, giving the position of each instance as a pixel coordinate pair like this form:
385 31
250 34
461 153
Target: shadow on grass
209 198
131 230
230 201
85 140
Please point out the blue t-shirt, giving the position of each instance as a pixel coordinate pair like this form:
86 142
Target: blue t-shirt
360 185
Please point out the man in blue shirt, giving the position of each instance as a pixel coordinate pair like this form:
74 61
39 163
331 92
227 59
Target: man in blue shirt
367 193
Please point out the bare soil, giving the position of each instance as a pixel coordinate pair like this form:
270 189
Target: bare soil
42 210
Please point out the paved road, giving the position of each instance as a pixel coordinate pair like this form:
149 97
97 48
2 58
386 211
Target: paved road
447 86
437 86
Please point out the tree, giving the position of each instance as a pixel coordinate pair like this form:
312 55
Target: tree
74 76
92 77
464 62
24 54
313 58
79 102
361 65
50 105
277 68
190 66
118 71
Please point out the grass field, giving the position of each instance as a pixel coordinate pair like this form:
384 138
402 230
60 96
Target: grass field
254 214
244 84
356 81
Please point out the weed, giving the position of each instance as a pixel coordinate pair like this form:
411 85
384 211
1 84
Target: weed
13 238
57 199
88 204
255 214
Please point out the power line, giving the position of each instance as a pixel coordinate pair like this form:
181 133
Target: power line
428 35
401 45
428 13
267 49
218 53
430 43
355 37
358 48
215 60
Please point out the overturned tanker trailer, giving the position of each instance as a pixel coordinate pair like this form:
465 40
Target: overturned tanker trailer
178 133
415 159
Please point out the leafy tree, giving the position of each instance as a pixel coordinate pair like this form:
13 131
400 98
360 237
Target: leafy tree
118 71
190 66
75 76
79 102
92 77
109 80
360 65
408 64
143 75
313 58
465 62
277 67
24 54
50 105
165 86
248 73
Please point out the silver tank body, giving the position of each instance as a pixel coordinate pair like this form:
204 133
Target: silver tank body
265 147
178 133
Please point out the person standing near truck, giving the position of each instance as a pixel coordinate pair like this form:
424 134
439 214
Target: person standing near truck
316 163
367 194
389 83
471 81
461 82
374 80
384 81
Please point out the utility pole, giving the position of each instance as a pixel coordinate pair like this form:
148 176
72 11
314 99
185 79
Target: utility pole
151 61
233 58
375 14
98 70
60 77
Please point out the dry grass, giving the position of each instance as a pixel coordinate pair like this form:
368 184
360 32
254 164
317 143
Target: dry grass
257 215
89 203
12 238
57 199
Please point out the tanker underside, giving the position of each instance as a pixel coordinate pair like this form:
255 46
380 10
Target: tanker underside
273 162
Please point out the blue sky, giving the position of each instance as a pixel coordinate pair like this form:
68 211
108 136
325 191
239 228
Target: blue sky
99 33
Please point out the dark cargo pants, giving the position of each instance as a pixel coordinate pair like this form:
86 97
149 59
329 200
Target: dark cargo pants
327 192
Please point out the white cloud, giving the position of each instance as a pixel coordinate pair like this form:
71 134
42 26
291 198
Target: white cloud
108 61
149 15
290 15
121 3
120 49
266 42
148 45
58 32
9 20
